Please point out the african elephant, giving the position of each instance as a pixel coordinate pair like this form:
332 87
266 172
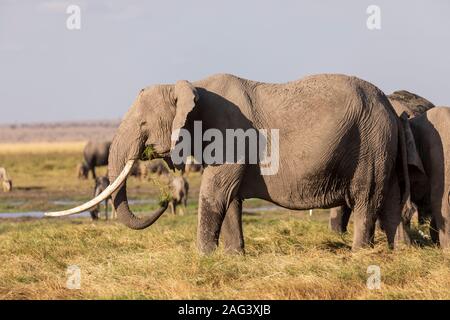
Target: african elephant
101 183
5 180
180 188
95 154
431 193
404 102
339 142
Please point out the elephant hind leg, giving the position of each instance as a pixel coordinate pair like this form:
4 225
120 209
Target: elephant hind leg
364 217
391 218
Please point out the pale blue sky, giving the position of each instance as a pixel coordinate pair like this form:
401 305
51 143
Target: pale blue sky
48 73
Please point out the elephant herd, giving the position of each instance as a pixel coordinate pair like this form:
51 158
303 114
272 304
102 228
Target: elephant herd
428 132
96 154
342 143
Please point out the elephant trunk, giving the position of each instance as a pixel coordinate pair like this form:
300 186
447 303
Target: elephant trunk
121 152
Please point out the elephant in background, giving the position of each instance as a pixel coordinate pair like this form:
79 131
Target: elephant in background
430 192
95 154
404 102
5 180
192 166
410 103
158 167
101 183
139 170
339 143
179 188
82 171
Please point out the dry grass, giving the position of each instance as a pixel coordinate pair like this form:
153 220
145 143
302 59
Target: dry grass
289 255
287 258
41 147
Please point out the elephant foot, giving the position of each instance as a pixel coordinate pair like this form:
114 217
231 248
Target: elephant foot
234 248
206 249
235 251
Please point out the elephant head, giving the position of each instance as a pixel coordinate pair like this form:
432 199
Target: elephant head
155 114
411 103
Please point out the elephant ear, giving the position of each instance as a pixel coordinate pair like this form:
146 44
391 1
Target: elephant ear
413 157
185 96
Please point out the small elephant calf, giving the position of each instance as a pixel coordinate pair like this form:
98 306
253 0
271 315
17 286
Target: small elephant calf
180 189
101 183
5 180
82 171
158 167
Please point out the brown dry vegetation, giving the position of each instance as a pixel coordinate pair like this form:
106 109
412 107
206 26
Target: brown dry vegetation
289 255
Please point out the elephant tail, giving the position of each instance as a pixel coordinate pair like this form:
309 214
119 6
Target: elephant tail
407 206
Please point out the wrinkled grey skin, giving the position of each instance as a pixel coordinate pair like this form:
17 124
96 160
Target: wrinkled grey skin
431 132
96 154
5 180
101 183
344 152
403 102
180 188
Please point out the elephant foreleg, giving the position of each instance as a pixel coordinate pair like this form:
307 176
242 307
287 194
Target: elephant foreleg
232 235
217 191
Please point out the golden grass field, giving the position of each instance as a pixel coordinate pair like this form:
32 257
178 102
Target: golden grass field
289 255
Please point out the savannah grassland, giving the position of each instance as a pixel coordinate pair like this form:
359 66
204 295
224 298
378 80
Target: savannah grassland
289 255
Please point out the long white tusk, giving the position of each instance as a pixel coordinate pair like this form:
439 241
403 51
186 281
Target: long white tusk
102 196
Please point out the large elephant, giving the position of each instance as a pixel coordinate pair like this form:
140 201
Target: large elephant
95 154
431 132
404 102
340 142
